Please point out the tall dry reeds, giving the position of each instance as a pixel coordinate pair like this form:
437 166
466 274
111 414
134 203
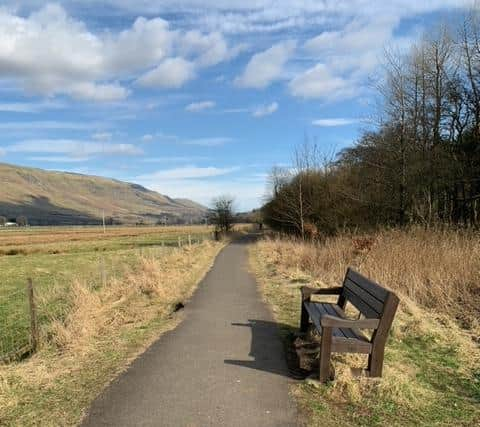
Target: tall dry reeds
431 365
438 269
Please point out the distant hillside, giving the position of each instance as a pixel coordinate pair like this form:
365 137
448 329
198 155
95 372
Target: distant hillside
53 198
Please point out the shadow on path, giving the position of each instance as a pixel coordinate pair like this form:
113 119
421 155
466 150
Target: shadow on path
261 351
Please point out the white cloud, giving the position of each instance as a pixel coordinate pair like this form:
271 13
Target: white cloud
72 148
340 121
166 137
51 53
202 142
59 159
269 16
171 73
319 82
102 136
267 66
207 49
188 172
45 125
89 91
265 110
203 184
357 35
348 55
196 107
208 142
174 159
2 152
29 107
147 138
142 46
237 110
244 16
18 107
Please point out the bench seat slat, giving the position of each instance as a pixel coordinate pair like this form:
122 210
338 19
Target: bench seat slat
341 313
316 310
347 332
344 339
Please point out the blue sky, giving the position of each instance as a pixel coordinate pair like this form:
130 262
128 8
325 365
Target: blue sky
194 98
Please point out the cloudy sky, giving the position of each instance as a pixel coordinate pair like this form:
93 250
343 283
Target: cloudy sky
194 98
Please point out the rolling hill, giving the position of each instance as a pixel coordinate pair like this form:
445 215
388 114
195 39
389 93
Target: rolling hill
61 198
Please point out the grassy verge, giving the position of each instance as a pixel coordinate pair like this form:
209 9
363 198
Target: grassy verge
432 366
94 325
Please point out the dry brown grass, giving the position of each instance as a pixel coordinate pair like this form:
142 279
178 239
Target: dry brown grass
19 237
432 366
105 327
439 270
153 288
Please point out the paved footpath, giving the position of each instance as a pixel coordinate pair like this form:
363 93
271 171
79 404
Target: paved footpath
222 366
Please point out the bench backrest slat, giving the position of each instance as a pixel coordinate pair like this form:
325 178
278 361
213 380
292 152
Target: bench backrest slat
371 287
367 296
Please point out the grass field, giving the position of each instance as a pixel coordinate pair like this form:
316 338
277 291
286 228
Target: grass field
56 256
55 240
432 361
102 298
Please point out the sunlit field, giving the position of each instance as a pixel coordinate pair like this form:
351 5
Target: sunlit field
55 257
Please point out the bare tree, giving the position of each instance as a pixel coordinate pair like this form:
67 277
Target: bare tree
222 213
421 164
22 221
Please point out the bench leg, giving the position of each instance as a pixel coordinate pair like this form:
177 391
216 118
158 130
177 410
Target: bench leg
375 362
303 319
325 353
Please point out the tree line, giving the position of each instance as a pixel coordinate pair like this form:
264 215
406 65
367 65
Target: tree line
21 221
421 164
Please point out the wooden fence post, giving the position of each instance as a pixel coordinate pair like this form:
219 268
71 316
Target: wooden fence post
179 241
189 240
34 333
104 272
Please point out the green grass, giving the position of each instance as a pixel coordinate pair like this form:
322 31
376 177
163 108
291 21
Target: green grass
53 266
454 396
52 276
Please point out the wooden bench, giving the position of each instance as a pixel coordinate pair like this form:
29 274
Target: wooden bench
377 307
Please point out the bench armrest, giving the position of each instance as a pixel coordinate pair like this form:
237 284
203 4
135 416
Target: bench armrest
336 322
307 291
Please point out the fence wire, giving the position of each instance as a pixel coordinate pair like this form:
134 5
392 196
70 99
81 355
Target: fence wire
19 334
15 324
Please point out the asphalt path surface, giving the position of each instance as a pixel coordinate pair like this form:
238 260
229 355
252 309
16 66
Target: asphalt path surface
224 365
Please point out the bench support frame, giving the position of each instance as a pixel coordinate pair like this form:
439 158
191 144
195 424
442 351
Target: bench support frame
325 353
